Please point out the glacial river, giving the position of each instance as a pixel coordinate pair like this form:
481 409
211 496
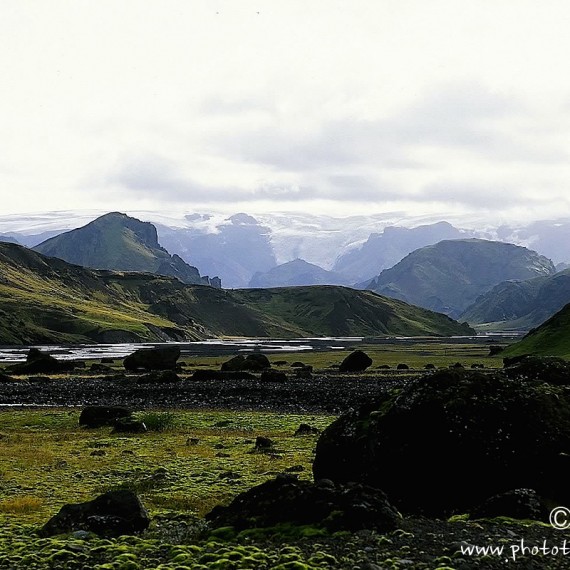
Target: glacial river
219 347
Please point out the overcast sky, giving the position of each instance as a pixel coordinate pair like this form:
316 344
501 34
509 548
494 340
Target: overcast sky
331 106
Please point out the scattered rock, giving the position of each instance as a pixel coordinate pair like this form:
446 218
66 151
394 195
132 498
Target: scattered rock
289 500
402 366
129 425
112 514
97 367
452 439
263 443
356 361
254 362
306 429
38 362
298 364
98 416
517 504
273 376
98 453
161 358
295 469
207 375
159 377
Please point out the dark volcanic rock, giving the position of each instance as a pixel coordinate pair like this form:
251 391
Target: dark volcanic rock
38 362
288 500
263 443
129 425
111 514
517 504
356 361
452 439
545 368
161 358
159 377
254 362
273 376
97 416
205 375
306 429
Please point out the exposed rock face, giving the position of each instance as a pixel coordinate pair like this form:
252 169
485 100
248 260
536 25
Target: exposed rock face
38 362
452 439
98 416
111 514
356 361
161 358
288 500
253 362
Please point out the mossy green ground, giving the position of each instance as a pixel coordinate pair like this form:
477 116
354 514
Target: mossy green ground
46 460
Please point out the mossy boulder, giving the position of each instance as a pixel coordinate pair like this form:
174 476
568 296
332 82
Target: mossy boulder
325 504
516 504
546 368
453 438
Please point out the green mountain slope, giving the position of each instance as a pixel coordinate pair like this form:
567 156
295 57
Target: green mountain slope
521 304
44 299
449 276
552 338
118 242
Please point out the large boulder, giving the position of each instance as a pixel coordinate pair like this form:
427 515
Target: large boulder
453 438
356 361
253 362
160 358
39 362
112 514
98 416
289 500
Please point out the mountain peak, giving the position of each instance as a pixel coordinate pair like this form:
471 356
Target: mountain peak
119 242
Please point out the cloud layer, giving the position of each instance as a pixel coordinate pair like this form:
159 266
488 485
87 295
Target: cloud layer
346 107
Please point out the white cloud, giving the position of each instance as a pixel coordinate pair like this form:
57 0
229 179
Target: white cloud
352 106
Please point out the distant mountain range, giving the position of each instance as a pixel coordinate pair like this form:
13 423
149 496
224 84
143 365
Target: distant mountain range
45 299
118 242
521 304
295 273
449 276
237 247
